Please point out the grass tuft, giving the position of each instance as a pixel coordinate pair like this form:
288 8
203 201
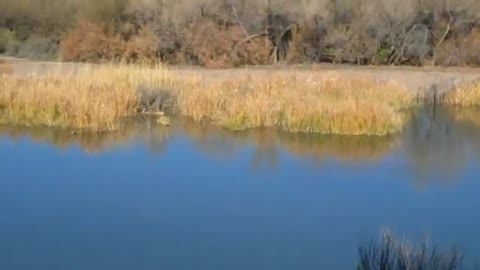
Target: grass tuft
465 95
299 103
93 98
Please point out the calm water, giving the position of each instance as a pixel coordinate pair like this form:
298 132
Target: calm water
191 197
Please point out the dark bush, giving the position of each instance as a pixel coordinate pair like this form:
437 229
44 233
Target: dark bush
7 41
37 47
390 253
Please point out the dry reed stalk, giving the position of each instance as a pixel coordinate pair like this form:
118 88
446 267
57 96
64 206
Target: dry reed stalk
96 97
92 98
313 103
464 95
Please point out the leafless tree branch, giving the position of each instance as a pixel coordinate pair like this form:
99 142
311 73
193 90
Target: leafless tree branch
235 13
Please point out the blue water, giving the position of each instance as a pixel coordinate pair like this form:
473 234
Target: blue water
200 202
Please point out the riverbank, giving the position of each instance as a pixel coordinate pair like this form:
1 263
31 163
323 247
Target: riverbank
340 100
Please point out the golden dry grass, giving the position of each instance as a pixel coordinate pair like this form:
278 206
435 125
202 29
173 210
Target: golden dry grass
312 103
5 68
465 95
94 98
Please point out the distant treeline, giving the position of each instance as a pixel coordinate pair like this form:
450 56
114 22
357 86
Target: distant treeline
225 33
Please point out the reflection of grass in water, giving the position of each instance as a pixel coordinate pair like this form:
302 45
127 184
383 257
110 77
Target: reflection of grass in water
267 142
89 142
211 139
216 141
343 147
391 253
467 115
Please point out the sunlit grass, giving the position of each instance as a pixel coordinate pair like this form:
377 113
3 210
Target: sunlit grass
5 68
93 98
327 104
464 95
97 97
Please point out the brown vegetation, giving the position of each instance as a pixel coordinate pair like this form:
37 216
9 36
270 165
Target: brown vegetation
97 97
94 98
299 103
217 33
465 95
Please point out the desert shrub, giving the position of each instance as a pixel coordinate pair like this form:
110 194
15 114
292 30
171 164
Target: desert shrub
142 47
255 51
212 44
90 41
214 33
307 42
94 42
460 51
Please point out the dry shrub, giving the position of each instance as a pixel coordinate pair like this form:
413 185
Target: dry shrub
255 51
463 50
141 47
90 42
215 45
93 42
307 43
296 50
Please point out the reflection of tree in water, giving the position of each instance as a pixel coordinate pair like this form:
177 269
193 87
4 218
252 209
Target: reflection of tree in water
437 140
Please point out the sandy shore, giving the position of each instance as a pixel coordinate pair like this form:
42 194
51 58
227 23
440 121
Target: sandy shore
416 79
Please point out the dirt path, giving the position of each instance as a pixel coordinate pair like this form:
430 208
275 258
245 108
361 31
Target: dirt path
416 79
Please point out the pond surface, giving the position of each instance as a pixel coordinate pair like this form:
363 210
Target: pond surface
192 197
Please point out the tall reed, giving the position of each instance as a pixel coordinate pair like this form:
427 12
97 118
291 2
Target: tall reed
91 97
98 97
299 103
